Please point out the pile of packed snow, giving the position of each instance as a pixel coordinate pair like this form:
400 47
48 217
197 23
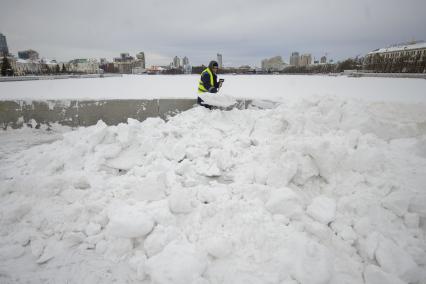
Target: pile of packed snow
319 190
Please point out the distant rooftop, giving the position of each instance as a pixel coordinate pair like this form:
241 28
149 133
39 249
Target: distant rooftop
400 47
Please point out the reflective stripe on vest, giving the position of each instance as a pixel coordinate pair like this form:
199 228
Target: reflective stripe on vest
201 88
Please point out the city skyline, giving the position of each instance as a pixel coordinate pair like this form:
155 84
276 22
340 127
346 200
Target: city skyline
74 29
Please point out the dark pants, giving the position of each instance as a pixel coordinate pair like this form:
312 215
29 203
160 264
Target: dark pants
201 103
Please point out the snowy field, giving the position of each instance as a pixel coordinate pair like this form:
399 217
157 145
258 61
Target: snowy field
322 189
278 88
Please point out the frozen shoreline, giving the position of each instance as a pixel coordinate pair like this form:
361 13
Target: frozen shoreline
276 88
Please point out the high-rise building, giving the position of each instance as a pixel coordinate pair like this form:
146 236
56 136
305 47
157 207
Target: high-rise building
294 59
176 62
185 61
28 54
323 60
4 50
305 60
141 57
219 60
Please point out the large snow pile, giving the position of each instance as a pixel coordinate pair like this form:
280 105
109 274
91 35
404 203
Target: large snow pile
320 190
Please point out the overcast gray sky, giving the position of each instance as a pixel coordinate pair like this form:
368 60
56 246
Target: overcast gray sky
243 31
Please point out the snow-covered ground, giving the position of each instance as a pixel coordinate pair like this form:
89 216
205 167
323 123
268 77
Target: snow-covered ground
275 87
321 189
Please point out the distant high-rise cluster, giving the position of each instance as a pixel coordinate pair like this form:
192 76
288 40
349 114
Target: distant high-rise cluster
300 60
179 65
4 50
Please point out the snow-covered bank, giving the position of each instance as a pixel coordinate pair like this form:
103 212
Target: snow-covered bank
277 88
321 190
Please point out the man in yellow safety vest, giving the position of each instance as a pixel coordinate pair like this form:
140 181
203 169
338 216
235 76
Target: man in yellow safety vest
208 83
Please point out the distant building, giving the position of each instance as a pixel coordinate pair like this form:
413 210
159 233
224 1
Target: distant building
126 63
89 66
155 70
27 67
4 50
187 68
124 57
185 61
141 58
323 60
219 60
294 59
409 57
103 61
176 63
273 64
305 60
28 54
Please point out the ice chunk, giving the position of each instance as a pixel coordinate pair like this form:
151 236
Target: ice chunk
118 249
322 209
93 229
178 263
180 201
129 222
284 201
393 259
158 239
281 175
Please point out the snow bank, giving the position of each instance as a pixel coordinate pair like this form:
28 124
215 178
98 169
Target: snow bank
319 190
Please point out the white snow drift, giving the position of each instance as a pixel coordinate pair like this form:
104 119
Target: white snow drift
321 190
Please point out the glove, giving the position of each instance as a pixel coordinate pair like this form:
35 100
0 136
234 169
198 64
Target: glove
213 90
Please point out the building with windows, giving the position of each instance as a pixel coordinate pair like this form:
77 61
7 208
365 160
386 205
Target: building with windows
294 59
305 59
176 63
219 60
141 60
89 66
409 57
323 60
124 64
4 50
187 68
27 67
185 61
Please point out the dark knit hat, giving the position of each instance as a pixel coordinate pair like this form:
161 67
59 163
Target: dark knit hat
213 64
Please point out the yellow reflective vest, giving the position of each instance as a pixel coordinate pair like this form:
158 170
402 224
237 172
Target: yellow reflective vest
201 87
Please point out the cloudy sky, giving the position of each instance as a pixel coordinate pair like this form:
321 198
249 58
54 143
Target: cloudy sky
244 31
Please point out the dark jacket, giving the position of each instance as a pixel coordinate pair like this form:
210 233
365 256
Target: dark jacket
205 78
